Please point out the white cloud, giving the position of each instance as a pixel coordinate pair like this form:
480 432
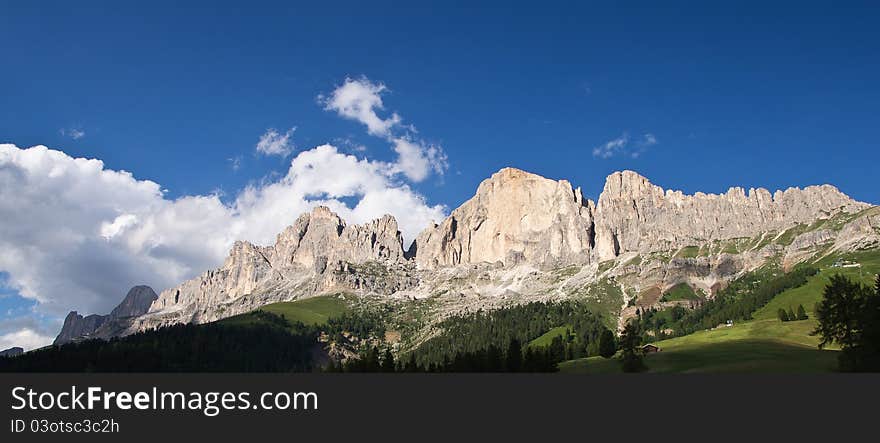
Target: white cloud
74 133
25 338
27 331
234 163
118 226
273 142
359 99
623 146
612 147
76 236
417 160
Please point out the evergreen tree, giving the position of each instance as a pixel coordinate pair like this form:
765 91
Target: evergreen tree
631 357
801 313
607 347
388 362
494 361
783 316
791 315
371 361
514 358
411 365
838 312
849 315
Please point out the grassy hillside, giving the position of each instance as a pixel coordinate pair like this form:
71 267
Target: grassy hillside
757 356
315 310
681 291
310 311
547 338
811 293
763 344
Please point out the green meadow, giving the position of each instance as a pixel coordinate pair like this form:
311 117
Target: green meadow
547 338
310 311
763 344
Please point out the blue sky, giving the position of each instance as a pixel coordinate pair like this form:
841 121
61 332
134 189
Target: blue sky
697 97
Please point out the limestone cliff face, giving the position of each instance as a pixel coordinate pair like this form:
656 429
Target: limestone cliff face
136 302
322 236
514 217
315 254
521 217
78 326
634 215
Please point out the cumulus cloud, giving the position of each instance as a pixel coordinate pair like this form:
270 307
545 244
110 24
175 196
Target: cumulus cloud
26 338
75 235
273 142
360 100
26 332
417 160
623 145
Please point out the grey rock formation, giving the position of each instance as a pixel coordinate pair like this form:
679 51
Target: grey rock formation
514 217
634 215
11 352
318 253
77 327
136 302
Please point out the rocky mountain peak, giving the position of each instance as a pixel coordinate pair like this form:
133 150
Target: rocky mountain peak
515 216
307 255
136 302
322 236
628 183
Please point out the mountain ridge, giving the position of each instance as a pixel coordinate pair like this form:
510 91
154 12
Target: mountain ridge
521 238
519 223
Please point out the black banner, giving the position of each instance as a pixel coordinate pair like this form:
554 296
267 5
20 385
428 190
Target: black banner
456 407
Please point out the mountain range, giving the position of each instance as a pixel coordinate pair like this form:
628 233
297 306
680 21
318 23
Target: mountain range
521 238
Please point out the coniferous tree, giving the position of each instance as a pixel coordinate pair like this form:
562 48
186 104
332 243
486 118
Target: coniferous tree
783 316
411 364
494 359
607 346
801 313
371 362
849 315
388 362
514 358
631 356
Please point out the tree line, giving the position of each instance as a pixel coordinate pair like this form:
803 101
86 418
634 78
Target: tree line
471 342
514 358
790 315
269 343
